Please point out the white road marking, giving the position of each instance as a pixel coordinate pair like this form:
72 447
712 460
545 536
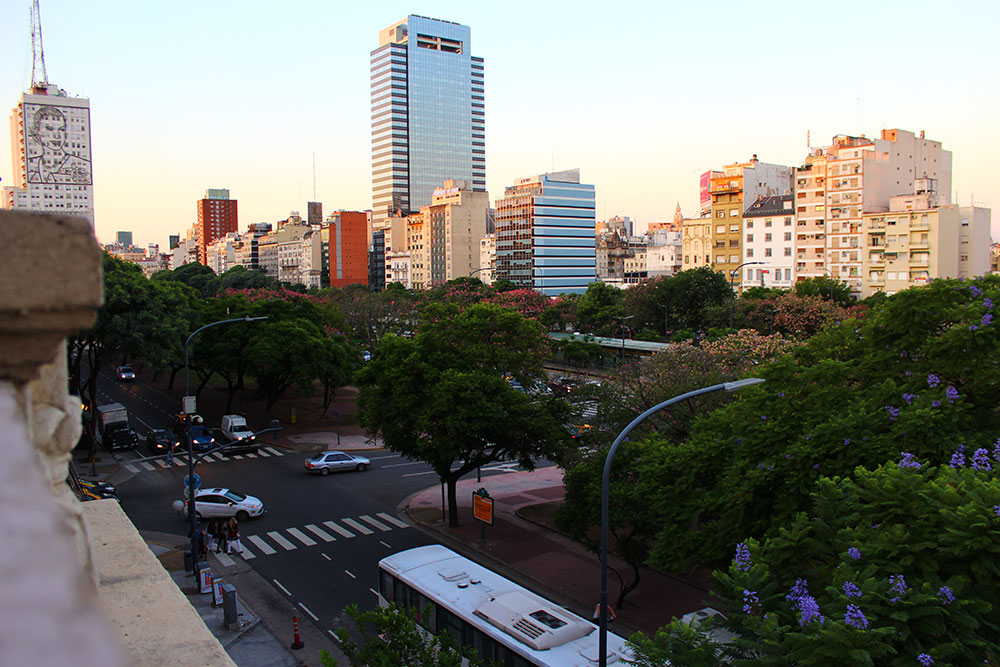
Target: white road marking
334 635
348 573
358 527
237 457
276 536
247 554
384 544
146 465
378 524
417 474
301 537
400 465
311 615
274 451
251 456
225 559
263 453
142 422
278 584
374 592
320 533
262 545
325 556
387 456
160 463
179 462
393 520
337 529
131 469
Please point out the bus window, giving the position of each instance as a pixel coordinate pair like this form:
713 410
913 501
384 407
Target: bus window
385 585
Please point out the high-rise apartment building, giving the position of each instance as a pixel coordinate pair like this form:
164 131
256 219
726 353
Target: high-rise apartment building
853 176
50 146
545 233
217 216
428 114
348 248
769 238
456 219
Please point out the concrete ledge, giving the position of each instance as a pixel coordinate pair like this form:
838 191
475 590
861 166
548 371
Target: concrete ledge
153 620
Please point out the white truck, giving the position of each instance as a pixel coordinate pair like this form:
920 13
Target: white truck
113 429
235 429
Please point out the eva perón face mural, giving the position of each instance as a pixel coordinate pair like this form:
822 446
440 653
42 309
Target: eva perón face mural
57 139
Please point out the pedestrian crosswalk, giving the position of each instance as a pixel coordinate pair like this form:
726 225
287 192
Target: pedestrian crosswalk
290 539
182 461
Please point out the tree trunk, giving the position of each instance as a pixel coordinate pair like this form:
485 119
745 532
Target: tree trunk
452 481
623 589
173 374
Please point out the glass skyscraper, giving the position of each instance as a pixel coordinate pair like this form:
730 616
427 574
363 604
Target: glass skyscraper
545 234
428 114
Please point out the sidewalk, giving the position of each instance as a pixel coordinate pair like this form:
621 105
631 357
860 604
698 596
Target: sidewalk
546 561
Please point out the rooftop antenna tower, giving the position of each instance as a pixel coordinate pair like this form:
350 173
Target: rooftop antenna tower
39 78
314 176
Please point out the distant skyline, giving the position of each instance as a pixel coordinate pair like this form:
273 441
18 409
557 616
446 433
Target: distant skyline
190 96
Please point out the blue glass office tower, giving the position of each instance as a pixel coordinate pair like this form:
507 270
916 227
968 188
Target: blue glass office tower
545 234
428 114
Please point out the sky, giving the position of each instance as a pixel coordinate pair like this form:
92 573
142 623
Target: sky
642 97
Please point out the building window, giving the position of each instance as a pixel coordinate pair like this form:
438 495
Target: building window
788 252
720 214
788 236
749 254
720 259
788 222
767 222
767 252
749 238
734 213
767 237
788 274
734 259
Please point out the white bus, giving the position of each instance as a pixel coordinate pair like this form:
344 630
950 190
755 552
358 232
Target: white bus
502 621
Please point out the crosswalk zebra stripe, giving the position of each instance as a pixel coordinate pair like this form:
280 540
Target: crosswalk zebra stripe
179 462
264 547
357 526
252 456
337 529
131 469
237 457
263 453
146 465
301 537
247 554
375 522
275 451
393 520
160 463
225 559
282 542
320 533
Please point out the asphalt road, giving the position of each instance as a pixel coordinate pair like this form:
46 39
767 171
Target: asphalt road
320 538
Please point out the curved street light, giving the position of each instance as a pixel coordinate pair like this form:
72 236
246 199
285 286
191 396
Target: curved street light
605 483
732 290
192 514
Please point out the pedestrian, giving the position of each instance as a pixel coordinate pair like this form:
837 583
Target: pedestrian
203 536
234 537
210 535
220 536
170 457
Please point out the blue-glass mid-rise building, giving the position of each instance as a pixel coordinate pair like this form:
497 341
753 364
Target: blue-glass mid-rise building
428 114
545 234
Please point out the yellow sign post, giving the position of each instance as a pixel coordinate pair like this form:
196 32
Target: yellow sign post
482 510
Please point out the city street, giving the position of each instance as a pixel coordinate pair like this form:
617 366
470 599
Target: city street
320 538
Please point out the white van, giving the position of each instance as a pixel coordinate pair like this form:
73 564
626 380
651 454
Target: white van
235 429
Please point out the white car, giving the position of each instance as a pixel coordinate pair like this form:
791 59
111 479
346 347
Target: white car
211 503
326 462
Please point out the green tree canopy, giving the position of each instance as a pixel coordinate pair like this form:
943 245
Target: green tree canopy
196 275
443 396
598 310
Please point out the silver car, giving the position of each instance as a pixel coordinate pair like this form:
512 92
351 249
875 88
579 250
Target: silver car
326 462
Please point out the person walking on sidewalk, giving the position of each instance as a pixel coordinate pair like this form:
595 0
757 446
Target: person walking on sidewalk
221 532
210 535
234 537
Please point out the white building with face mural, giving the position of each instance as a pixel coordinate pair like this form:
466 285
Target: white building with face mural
50 145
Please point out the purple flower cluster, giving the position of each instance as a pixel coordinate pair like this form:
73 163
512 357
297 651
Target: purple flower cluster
988 303
855 617
925 660
945 595
935 404
996 510
933 380
958 457
851 590
975 291
973 327
742 557
987 320
847 441
909 398
804 603
854 553
893 412
908 461
981 460
897 585
951 394
750 600
763 418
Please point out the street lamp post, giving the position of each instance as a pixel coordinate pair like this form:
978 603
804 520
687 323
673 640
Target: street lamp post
188 409
732 290
605 483
621 323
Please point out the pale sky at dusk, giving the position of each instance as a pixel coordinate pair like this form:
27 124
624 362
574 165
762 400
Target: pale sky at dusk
642 97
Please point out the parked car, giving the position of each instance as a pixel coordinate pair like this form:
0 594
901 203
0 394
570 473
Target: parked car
86 490
366 355
161 441
201 438
126 374
212 503
326 462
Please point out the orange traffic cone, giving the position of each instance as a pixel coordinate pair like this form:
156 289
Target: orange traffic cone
297 643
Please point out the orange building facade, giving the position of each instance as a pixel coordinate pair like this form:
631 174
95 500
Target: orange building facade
348 248
217 216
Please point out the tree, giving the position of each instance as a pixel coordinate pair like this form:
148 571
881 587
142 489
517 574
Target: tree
886 566
827 288
284 354
443 397
681 644
685 300
240 278
788 314
333 367
194 274
598 308
392 637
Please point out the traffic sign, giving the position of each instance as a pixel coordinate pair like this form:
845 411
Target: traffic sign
188 484
482 506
